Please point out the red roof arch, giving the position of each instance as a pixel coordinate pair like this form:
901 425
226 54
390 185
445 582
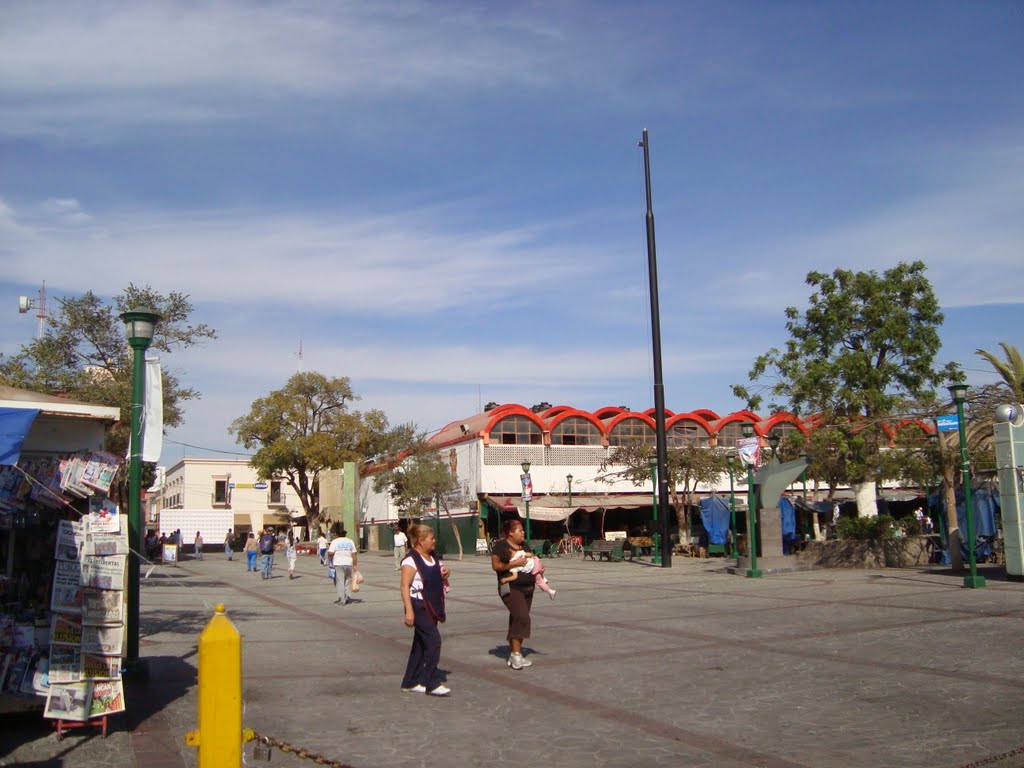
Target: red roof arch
692 416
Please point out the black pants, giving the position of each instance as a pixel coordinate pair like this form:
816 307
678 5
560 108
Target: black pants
425 652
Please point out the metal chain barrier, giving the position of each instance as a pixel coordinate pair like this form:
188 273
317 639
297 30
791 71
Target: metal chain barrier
284 746
996 758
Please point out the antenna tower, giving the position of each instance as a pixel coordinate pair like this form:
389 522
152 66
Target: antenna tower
25 304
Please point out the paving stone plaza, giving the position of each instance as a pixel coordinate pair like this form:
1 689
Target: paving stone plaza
633 665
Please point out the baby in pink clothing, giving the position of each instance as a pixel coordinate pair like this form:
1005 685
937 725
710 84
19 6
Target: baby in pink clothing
532 565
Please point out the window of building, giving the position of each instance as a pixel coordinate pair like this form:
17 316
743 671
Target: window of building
576 431
220 491
688 433
516 430
632 432
276 496
729 434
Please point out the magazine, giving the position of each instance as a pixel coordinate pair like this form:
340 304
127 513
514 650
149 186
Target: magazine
106 641
69 701
104 515
65 664
107 698
69 540
102 607
99 470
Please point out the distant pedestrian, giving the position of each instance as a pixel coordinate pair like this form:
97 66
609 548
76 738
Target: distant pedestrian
344 558
291 554
267 542
401 545
422 588
199 546
227 546
321 548
251 549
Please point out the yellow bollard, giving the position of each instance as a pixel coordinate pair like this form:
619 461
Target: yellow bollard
219 737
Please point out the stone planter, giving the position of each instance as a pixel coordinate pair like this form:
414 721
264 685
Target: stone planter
849 553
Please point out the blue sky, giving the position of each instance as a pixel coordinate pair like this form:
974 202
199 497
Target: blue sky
445 201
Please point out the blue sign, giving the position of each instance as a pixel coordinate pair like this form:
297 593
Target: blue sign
947 423
260 486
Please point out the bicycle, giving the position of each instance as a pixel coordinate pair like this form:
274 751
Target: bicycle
571 546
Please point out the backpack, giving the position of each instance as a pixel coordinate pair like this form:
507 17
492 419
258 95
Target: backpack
267 544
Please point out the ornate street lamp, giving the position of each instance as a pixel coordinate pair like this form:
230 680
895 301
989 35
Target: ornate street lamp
730 459
773 441
959 394
753 572
527 493
139 325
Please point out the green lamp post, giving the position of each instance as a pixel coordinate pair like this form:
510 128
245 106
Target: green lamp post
139 325
959 394
568 480
527 493
773 441
730 459
753 572
656 557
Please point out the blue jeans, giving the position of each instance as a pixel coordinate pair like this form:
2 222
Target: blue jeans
250 560
229 552
268 565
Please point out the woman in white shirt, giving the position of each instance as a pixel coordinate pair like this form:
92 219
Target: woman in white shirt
424 577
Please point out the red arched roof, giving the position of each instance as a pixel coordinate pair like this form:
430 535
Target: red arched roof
740 417
707 414
784 418
554 410
693 416
608 411
587 415
925 426
668 413
504 411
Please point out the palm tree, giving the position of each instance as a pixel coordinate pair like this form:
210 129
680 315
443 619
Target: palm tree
1011 370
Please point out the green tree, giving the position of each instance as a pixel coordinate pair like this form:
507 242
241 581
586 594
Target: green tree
1011 370
85 355
306 427
418 479
863 348
687 466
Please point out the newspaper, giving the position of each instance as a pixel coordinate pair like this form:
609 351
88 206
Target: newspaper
103 572
69 701
67 587
97 667
69 539
102 607
103 544
65 630
106 641
99 471
65 664
107 698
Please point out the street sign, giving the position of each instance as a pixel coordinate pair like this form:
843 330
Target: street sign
260 486
947 423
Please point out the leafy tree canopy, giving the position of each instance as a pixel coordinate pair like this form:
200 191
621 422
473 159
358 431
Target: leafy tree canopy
1011 370
865 343
306 427
85 354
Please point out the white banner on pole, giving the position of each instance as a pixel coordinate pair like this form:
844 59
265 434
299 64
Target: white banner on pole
153 412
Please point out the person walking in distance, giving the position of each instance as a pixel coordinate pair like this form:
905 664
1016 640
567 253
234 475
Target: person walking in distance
343 556
267 542
252 550
227 546
401 545
199 546
422 587
291 554
321 548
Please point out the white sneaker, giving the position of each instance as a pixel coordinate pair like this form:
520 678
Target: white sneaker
516 661
526 661
439 691
552 593
416 689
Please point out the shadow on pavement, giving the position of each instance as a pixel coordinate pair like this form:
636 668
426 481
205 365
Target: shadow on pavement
158 681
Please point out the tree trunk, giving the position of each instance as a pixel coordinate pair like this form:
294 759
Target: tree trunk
953 538
455 528
818 535
864 493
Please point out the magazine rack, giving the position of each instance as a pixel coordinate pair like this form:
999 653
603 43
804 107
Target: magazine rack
66 725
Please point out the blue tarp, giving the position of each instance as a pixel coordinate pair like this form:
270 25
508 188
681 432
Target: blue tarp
14 426
715 514
985 506
788 524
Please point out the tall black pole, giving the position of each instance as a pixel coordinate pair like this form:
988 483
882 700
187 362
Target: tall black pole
659 387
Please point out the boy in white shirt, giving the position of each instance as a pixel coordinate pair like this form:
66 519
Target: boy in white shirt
344 557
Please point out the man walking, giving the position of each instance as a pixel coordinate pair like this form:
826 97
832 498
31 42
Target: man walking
321 548
227 546
267 542
401 543
344 558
